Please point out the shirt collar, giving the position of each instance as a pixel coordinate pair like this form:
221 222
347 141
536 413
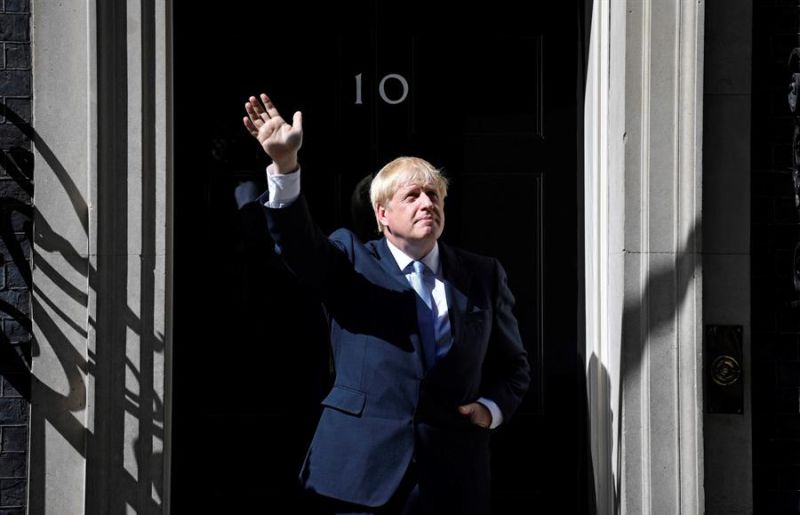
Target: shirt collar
431 259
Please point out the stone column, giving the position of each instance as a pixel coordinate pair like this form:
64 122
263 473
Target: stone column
643 277
101 270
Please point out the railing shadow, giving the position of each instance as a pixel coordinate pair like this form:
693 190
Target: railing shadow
15 230
121 389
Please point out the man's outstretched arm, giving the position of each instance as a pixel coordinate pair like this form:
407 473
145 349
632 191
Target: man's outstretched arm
315 259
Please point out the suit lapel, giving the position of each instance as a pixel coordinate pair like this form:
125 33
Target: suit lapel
457 283
396 276
389 264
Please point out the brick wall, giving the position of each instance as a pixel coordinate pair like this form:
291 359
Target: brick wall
775 232
16 191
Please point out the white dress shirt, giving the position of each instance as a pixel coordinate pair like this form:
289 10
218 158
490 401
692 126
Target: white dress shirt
285 188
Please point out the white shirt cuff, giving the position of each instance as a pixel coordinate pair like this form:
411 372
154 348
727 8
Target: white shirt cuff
497 415
283 188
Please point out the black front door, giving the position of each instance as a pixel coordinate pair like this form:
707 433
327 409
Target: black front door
489 95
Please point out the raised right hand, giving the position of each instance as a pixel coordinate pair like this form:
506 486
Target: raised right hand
279 140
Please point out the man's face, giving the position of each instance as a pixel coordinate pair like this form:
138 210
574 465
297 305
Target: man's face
414 215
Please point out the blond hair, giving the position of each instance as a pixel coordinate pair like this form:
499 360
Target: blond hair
400 172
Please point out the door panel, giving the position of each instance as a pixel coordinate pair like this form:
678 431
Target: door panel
491 99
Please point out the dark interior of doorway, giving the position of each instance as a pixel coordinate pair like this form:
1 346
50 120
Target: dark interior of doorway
493 99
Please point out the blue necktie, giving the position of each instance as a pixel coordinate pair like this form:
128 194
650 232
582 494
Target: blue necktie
421 281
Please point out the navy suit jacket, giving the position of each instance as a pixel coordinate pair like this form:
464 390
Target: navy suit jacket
384 407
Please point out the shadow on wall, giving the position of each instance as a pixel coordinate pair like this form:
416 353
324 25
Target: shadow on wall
15 237
643 317
109 367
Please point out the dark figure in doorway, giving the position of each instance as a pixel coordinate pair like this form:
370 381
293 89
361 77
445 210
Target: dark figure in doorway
427 354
